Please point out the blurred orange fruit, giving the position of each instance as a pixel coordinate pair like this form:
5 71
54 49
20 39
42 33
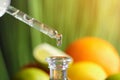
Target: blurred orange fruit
86 71
95 50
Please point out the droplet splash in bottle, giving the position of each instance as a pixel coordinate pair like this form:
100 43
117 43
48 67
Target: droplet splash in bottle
35 24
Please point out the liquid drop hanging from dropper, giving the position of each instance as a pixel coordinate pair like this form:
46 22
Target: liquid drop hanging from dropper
6 8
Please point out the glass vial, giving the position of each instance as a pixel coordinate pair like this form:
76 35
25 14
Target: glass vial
58 67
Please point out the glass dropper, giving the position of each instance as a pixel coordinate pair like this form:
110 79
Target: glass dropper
6 8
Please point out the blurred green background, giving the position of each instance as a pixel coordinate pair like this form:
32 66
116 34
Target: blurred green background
73 18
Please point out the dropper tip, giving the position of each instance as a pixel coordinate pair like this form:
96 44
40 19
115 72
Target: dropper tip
59 39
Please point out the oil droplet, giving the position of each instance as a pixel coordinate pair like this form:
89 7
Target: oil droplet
59 39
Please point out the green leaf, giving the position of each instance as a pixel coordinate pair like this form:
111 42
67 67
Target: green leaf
3 70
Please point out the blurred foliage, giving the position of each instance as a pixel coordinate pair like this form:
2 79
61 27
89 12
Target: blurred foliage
72 18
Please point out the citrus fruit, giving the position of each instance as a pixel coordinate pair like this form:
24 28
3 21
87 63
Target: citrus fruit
42 51
86 71
114 77
31 74
96 50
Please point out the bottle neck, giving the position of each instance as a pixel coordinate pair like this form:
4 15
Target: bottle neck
58 67
58 74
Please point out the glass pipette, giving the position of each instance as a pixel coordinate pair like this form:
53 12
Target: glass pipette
6 8
34 23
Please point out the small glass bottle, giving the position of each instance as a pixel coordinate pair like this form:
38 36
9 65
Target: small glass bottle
58 67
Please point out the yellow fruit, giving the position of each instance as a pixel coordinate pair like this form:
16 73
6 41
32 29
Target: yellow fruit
42 51
96 50
86 71
31 74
